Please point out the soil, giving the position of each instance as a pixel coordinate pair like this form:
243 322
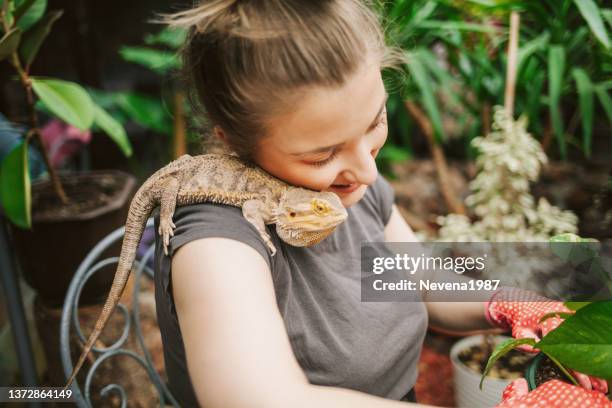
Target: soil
547 371
86 192
510 366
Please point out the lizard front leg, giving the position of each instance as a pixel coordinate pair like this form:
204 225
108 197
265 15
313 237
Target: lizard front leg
168 205
256 213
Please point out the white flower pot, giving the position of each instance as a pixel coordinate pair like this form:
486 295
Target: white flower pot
467 393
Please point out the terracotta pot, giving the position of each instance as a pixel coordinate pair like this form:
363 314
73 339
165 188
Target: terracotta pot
52 250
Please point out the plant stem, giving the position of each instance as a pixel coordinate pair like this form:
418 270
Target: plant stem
509 92
453 204
34 130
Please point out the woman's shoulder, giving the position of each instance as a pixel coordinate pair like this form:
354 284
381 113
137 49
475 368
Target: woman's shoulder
209 220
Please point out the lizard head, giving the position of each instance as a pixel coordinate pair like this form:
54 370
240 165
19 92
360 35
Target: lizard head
306 217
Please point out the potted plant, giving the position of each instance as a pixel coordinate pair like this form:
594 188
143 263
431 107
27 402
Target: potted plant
55 222
469 357
583 341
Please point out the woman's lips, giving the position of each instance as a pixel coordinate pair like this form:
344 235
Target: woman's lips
344 188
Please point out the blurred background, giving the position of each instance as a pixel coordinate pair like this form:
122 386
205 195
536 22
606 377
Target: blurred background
485 143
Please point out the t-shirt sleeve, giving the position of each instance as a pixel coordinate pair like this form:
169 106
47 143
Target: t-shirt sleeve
384 196
214 220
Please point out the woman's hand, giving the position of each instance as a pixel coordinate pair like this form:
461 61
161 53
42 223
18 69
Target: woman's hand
522 311
551 393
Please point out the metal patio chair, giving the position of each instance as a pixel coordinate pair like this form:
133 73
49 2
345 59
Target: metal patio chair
69 321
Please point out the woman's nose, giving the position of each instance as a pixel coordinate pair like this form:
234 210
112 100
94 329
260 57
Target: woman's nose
362 167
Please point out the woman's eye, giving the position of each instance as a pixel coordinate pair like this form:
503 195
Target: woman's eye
320 163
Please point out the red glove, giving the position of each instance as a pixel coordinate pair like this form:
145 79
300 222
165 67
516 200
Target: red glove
521 311
552 393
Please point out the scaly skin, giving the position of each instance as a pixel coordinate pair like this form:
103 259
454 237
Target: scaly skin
302 217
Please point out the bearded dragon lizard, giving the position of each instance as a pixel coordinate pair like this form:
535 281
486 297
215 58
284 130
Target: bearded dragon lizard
302 217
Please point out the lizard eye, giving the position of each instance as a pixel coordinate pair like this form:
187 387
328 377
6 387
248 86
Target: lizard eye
292 214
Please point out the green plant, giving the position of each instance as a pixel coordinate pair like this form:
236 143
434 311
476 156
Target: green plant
24 26
583 341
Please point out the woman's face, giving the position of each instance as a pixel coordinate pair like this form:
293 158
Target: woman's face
330 141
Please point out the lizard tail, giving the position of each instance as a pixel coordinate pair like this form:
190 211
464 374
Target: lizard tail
140 208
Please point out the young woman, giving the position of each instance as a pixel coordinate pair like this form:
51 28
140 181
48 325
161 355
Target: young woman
295 87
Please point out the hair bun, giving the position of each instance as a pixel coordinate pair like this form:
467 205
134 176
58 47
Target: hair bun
215 15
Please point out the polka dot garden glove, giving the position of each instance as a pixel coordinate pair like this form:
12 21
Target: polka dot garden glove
521 311
554 393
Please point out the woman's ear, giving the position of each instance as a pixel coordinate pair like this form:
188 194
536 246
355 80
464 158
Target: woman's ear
219 134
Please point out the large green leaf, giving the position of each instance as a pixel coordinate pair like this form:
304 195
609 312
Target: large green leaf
585 102
500 350
29 12
112 128
583 342
529 48
33 39
15 186
591 14
9 43
66 100
155 60
556 66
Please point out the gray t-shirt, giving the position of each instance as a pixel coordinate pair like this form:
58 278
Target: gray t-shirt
337 339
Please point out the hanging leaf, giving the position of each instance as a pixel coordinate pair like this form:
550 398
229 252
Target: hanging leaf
15 186
67 100
591 14
584 87
605 101
32 12
423 82
556 66
33 39
583 342
113 129
9 43
500 350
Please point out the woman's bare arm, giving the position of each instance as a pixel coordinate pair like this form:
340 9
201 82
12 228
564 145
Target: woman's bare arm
453 316
238 351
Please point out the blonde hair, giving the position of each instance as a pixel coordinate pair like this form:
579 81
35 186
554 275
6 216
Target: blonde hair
245 61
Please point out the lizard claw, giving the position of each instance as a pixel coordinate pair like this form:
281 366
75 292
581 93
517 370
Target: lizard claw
166 230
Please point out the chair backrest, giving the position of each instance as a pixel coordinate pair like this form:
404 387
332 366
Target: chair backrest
90 265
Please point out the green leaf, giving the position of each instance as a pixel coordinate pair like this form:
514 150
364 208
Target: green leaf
585 102
146 111
590 12
607 14
15 186
423 82
531 47
112 128
605 101
155 60
33 39
576 305
500 350
556 66
67 100
583 342
32 13
9 43
169 37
